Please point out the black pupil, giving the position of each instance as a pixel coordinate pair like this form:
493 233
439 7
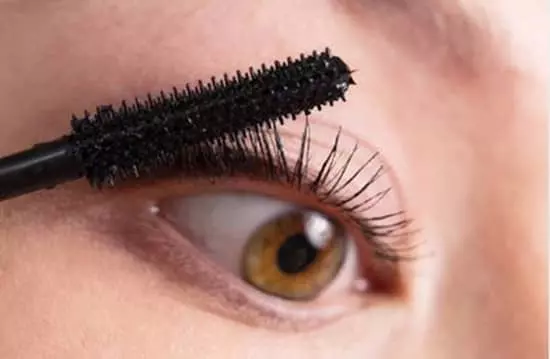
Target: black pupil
296 254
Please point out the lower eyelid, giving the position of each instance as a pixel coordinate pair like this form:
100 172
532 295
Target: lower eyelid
201 283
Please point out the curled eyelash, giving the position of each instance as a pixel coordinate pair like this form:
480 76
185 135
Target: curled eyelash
260 153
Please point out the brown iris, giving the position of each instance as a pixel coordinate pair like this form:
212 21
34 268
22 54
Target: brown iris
294 256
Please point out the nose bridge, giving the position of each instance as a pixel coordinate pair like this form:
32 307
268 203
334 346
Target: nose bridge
490 298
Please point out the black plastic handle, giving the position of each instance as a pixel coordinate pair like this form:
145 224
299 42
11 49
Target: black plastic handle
43 166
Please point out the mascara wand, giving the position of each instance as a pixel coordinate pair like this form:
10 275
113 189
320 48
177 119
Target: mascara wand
126 142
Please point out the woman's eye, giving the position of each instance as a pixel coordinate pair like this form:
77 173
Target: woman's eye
277 247
299 230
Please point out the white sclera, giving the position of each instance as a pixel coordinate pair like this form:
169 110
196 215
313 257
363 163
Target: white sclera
221 223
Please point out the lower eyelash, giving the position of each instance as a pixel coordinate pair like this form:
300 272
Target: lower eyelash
260 154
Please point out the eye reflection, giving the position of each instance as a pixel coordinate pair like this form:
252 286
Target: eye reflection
294 255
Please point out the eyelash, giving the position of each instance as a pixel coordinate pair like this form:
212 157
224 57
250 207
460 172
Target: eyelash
259 154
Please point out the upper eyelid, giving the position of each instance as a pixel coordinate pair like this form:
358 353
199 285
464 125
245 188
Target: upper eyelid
266 161
251 165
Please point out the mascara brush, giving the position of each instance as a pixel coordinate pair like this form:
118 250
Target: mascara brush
129 141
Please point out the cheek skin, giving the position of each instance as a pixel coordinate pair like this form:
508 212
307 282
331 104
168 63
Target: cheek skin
70 306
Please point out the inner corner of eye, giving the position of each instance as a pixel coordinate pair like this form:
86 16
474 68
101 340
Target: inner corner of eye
277 247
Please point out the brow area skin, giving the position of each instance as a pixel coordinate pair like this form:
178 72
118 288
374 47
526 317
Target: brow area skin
442 34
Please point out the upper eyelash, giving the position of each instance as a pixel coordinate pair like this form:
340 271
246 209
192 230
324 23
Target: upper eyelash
259 151
327 185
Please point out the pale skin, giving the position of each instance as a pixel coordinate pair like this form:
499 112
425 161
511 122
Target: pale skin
456 106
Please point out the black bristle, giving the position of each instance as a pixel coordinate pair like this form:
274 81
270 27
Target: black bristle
136 139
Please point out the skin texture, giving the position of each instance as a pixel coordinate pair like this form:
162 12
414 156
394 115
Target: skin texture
453 96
